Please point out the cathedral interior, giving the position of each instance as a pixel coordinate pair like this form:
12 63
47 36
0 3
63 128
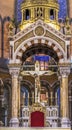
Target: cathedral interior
35 63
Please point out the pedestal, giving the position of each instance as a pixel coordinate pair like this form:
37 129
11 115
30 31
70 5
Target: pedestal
65 122
14 122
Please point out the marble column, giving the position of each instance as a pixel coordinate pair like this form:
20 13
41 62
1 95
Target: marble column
64 71
14 122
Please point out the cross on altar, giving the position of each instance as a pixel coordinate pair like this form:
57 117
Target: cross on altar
36 74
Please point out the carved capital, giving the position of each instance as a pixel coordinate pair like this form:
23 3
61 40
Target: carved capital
64 71
14 71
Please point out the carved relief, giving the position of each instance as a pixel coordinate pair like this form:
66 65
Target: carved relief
39 31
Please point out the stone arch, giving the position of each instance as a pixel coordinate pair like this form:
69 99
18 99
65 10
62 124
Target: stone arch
46 84
39 41
55 87
27 83
55 84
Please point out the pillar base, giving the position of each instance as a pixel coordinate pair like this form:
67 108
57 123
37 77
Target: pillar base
14 122
65 123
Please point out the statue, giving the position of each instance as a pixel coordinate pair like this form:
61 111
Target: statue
13 27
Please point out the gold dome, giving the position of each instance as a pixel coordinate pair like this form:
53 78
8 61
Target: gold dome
46 10
40 2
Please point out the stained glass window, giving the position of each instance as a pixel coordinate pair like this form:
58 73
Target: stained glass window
62 12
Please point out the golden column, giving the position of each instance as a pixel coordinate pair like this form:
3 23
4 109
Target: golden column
14 71
64 71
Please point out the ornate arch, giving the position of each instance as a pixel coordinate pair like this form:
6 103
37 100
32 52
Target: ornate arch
27 88
43 41
56 84
27 83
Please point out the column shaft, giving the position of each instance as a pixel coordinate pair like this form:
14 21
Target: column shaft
14 96
64 93
19 98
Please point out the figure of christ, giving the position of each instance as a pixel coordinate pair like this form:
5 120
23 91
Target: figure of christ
36 74
37 88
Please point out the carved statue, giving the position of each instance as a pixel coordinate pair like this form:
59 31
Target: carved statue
13 27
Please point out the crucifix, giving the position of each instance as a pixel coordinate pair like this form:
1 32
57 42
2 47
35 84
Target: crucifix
36 74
